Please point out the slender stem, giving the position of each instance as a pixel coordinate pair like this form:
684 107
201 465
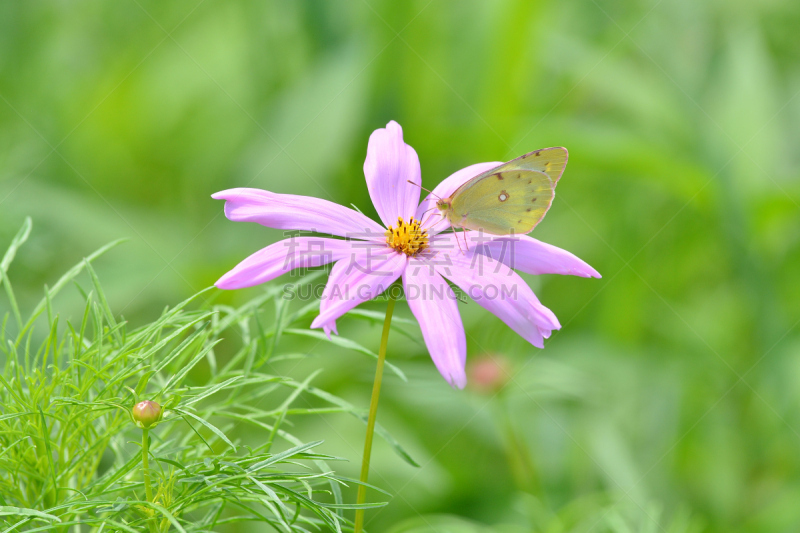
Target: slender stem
373 411
146 464
148 491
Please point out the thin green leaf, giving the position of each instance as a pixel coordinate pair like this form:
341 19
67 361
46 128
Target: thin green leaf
362 415
283 455
66 278
21 511
18 240
344 343
207 424
101 295
11 299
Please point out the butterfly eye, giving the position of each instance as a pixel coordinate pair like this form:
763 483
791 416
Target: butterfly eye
503 196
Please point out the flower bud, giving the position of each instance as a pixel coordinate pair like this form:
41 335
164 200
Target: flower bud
146 413
489 373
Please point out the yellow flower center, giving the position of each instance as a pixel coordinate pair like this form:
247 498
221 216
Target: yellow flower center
407 237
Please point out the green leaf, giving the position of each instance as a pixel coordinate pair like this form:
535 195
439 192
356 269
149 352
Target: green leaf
6 510
167 515
375 317
344 343
362 415
209 391
11 299
283 455
175 379
101 295
16 242
11 252
66 278
207 424
50 460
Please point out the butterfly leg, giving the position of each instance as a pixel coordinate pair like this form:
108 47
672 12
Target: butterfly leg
455 234
442 218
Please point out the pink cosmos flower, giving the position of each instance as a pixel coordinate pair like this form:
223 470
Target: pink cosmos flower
410 244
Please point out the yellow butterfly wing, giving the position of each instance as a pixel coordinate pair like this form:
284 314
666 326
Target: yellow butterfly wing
551 161
511 201
511 198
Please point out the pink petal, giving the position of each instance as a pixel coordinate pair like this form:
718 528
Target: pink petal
329 328
356 279
531 256
288 211
427 209
283 256
390 164
498 289
434 306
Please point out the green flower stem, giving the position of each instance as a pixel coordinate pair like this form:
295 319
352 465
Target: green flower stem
146 464
148 491
373 411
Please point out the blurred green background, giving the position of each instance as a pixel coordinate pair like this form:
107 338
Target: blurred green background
669 401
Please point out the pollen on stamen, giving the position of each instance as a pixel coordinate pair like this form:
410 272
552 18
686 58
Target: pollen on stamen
407 237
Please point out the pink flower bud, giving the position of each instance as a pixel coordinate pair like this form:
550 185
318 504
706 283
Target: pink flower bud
489 373
146 413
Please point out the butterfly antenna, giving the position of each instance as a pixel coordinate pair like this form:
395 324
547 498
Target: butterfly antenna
424 189
422 216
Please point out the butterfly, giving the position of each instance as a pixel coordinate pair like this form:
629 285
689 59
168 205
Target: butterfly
511 198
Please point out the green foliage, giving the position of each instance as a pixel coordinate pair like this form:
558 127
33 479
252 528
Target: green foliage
65 423
682 119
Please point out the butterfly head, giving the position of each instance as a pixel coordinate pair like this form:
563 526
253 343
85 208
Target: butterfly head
444 204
